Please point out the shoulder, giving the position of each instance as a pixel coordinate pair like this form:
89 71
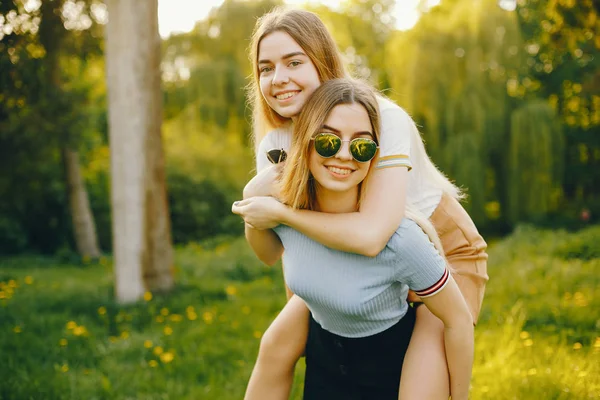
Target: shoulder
279 134
390 109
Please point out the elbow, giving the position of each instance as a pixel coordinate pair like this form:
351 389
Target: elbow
268 260
462 320
372 245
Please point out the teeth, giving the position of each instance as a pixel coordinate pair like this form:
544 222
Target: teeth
285 95
339 171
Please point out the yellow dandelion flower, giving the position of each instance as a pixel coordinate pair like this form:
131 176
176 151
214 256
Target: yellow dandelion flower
207 317
160 319
103 261
597 342
147 296
2 295
167 357
582 374
257 334
246 310
190 309
532 371
64 368
80 331
158 350
231 290
113 339
164 311
63 342
168 330
524 335
17 329
86 259
577 346
124 335
176 318
12 284
28 280
192 316
147 343
528 343
102 310
71 325
153 363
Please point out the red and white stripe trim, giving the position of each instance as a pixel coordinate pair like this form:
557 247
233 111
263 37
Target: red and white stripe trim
436 287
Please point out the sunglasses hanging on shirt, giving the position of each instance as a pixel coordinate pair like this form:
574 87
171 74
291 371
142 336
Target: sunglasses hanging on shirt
275 156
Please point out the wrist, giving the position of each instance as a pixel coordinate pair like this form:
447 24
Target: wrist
283 215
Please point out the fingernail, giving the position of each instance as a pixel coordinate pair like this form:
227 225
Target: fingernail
235 203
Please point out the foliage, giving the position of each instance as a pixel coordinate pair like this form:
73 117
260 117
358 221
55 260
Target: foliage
63 336
535 173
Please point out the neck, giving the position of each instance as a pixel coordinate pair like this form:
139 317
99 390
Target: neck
336 202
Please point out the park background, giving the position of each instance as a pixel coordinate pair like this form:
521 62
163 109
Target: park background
507 96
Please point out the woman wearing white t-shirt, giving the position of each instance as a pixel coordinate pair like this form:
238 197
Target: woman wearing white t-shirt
292 54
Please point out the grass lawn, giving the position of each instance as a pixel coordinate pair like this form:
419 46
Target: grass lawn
63 337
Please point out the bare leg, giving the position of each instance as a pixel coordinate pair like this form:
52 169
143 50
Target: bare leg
425 370
280 348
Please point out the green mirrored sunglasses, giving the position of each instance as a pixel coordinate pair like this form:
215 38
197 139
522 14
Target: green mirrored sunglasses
328 145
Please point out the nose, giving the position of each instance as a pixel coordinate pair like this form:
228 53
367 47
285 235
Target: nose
280 77
344 153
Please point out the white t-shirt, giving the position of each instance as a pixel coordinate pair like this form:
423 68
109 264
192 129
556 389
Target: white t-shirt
394 151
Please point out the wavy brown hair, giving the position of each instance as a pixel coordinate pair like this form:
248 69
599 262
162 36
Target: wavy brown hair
298 188
307 29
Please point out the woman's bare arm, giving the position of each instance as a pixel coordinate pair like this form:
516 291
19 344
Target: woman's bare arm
449 306
265 243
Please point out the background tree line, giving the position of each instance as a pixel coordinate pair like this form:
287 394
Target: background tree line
507 101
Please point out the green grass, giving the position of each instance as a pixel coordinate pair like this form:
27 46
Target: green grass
63 337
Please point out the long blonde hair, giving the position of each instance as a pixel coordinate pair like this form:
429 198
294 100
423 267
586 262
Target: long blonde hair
311 34
297 184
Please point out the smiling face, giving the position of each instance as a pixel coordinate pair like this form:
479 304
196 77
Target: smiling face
287 75
342 173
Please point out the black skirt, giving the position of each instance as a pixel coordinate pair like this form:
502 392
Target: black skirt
366 368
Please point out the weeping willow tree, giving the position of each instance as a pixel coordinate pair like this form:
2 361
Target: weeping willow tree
535 161
451 73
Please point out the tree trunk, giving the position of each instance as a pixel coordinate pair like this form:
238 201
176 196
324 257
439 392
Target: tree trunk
84 227
141 226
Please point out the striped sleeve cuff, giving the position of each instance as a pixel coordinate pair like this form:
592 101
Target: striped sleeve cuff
399 160
436 287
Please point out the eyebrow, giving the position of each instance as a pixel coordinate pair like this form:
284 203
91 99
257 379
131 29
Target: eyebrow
329 128
286 56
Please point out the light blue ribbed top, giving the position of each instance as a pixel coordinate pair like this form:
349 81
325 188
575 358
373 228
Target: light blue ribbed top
357 296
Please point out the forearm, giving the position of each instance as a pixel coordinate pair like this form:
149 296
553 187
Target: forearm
265 243
459 343
355 232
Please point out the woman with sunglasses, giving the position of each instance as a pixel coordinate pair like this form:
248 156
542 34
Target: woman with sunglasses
293 54
360 322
